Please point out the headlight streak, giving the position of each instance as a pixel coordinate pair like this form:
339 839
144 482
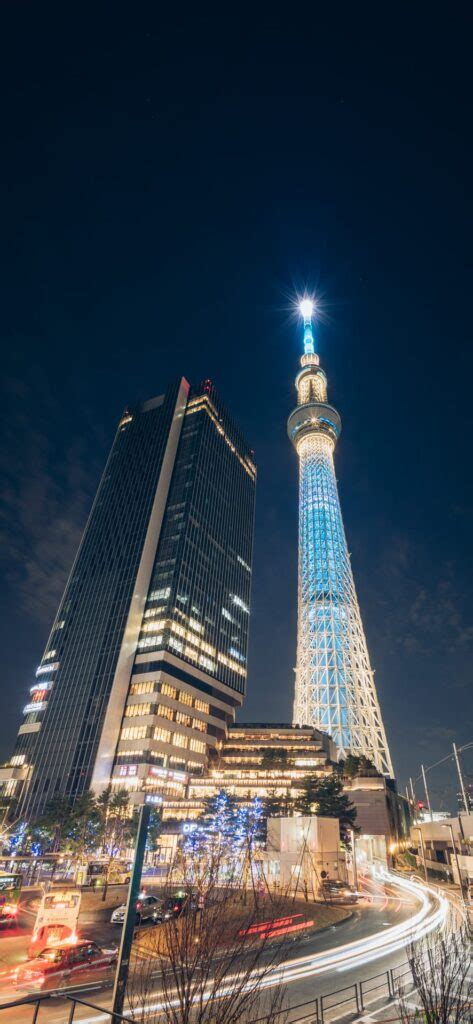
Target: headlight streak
352 954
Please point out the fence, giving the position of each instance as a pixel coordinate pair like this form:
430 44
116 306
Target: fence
38 1002
351 1000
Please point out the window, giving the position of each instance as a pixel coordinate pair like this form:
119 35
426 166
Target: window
197 746
134 732
163 735
176 645
179 740
165 712
182 718
207 663
197 723
160 595
134 710
240 604
50 654
168 691
154 624
201 705
147 686
236 654
17 759
150 641
185 698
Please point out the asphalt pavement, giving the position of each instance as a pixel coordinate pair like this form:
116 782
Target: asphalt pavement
385 907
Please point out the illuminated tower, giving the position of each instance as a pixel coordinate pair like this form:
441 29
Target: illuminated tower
335 689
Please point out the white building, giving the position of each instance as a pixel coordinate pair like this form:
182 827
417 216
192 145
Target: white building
301 852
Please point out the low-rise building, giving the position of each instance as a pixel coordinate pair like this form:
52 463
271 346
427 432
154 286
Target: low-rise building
258 760
440 843
302 852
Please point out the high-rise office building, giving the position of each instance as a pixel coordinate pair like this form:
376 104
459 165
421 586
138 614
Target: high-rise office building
146 661
335 689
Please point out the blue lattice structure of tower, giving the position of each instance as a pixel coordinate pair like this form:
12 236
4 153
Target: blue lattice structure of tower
335 689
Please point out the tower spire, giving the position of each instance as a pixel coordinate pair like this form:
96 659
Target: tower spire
307 308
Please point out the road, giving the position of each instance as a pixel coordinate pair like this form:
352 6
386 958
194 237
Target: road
312 971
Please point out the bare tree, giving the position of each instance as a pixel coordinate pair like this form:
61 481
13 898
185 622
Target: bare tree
439 968
214 961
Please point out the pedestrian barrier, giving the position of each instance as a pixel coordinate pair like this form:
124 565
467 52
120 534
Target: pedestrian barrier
37 1003
381 983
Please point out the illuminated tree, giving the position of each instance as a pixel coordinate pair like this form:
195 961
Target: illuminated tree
325 798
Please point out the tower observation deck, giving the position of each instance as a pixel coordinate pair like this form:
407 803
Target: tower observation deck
335 690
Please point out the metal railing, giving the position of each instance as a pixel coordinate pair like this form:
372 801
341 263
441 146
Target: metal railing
37 1002
351 1000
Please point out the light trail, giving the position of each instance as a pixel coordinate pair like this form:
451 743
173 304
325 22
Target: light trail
429 917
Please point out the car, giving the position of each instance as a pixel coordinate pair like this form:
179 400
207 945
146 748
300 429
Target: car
334 891
148 908
63 966
179 903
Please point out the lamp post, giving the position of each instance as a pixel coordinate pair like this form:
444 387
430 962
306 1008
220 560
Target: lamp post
353 856
123 963
422 847
457 862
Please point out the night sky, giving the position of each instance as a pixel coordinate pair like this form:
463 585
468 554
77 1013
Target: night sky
168 188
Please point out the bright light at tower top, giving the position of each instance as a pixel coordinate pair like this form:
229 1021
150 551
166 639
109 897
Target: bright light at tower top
306 308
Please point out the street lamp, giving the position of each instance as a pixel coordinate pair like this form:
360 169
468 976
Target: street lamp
353 856
457 862
419 830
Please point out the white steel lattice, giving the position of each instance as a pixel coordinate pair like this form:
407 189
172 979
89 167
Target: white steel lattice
335 689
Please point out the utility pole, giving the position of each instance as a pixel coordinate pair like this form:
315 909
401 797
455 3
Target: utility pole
123 963
422 847
414 815
457 862
466 803
427 797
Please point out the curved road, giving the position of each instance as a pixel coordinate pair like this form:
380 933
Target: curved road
311 971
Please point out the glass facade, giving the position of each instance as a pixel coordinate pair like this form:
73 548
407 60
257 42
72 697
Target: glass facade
199 600
193 607
194 633
60 739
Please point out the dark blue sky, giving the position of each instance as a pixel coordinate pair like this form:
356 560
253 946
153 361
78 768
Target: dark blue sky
167 187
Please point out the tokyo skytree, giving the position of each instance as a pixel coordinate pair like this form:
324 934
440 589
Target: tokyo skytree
335 689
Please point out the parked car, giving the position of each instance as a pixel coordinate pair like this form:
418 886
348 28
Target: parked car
62 966
148 908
